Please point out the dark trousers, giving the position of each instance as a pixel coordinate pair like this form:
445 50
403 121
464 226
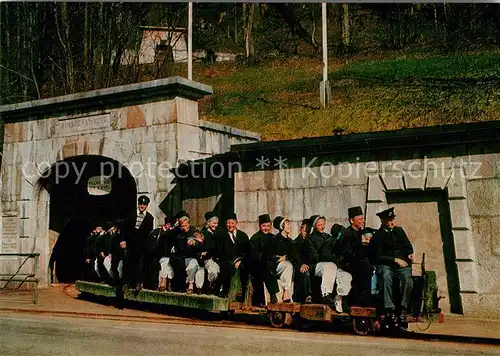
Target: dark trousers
132 268
301 286
362 273
149 270
395 285
227 271
178 264
117 282
259 275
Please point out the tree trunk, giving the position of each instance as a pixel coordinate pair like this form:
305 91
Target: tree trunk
70 71
445 25
249 20
345 25
411 25
435 18
2 55
63 34
235 23
294 25
86 41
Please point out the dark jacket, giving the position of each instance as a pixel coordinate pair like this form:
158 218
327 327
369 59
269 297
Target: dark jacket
90 249
352 250
196 250
179 243
137 239
391 244
227 250
166 242
211 244
153 242
251 252
314 248
299 252
321 247
105 243
279 246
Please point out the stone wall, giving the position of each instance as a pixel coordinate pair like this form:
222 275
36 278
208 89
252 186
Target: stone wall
147 127
445 191
472 197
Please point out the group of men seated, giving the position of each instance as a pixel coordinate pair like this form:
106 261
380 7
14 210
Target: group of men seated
335 268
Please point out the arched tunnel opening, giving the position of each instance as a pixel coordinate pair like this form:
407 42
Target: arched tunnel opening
84 191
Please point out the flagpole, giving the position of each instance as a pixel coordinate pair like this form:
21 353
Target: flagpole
190 41
324 87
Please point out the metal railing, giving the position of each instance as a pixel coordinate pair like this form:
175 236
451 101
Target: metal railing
22 277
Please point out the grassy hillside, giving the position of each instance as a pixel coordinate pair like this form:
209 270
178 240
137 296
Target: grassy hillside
280 99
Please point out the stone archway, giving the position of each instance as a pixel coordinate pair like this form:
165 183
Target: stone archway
452 182
62 203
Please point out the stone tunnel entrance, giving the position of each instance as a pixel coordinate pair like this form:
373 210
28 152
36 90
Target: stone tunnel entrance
426 218
84 191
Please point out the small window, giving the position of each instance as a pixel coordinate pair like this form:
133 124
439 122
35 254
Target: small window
99 185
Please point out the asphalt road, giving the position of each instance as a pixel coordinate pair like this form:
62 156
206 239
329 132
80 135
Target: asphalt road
49 335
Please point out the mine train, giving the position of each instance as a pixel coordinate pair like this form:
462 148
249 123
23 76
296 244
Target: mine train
423 311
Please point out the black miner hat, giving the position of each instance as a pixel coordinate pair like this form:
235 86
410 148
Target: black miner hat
388 213
143 200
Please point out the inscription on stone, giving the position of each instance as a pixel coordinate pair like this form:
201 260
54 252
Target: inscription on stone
82 125
10 233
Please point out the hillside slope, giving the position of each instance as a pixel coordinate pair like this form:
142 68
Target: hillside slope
280 99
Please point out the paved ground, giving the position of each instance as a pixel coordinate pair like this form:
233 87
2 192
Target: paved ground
61 301
49 335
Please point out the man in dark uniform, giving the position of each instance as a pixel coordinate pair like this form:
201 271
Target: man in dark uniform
302 280
136 241
229 242
250 257
393 256
355 253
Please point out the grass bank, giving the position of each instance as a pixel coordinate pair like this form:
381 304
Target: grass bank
280 99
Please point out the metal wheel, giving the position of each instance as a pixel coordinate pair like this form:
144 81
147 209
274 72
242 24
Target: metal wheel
280 319
361 326
277 319
423 321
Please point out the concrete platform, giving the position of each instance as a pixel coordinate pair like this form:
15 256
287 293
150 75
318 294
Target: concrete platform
63 300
